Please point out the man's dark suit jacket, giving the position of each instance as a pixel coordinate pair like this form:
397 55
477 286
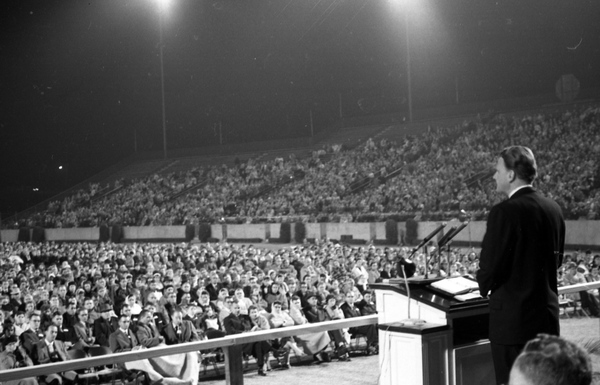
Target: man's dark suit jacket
520 254
233 324
121 342
28 340
187 333
103 328
350 311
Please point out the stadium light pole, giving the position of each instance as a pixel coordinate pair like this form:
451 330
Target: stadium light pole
408 73
162 6
406 7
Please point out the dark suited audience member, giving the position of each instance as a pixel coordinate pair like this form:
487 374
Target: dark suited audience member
370 331
105 325
33 335
260 349
64 334
178 330
122 339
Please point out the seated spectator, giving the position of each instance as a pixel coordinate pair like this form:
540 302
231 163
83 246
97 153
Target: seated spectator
210 324
64 334
178 330
147 334
83 335
370 331
105 325
158 370
328 313
260 349
244 302
575 275
274 295
280 319
313 343
50 350
551 360
366 305
134 304
20 324
31 336
123 339
15 356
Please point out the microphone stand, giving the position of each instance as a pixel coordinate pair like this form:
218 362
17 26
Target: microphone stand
447 239
424 243
442 241
409 321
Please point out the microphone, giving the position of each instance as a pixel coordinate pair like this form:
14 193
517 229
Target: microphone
428 238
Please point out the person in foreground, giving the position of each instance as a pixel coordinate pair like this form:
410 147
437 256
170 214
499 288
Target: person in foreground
520 254
551 360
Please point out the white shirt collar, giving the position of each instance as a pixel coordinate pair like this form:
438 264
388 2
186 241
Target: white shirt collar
510 194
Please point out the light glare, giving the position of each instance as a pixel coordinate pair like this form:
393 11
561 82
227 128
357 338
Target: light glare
164 4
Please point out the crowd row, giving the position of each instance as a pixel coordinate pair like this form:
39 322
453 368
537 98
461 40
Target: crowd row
433 172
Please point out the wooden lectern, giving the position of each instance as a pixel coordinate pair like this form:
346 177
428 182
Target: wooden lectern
451 347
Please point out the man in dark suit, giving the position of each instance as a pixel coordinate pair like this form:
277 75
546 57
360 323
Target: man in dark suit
50 350
260 349
520 254
105 325
122 339
370 331
178 330
32 335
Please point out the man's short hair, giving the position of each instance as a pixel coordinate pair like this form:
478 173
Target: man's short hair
520 159
550 359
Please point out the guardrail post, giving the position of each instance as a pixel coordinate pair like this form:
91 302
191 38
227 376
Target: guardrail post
234 368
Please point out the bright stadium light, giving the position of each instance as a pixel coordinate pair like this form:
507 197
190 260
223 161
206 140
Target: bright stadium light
163 4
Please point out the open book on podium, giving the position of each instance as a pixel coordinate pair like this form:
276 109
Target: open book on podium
461 288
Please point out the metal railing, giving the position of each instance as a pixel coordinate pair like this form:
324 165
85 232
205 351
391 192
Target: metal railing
232 356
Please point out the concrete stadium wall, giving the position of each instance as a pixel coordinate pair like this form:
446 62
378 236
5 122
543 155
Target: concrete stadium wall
9 235
82 234
580 234
154 232
261 230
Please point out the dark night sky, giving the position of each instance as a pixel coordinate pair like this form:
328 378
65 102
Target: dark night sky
80 78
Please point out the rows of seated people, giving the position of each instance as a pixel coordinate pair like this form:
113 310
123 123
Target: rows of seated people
59 298
432 174
578 268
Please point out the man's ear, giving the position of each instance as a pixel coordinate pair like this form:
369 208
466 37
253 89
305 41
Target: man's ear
512 175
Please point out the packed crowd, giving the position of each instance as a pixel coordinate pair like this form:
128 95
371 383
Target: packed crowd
121 297
431 174
78 297
578 268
